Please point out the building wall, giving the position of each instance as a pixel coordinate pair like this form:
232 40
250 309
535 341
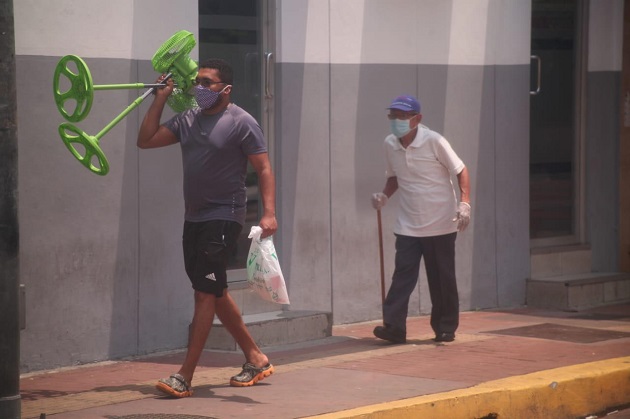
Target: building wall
336 78
602 111
101 256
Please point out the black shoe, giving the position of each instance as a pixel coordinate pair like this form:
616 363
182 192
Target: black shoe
390 333
444 337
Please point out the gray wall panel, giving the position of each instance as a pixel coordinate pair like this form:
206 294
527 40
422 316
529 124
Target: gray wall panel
303 181
360 95
357 165
470 130
165 295
78 250
602 165
512 184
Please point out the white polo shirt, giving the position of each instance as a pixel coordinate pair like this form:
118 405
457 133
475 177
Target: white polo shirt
427 197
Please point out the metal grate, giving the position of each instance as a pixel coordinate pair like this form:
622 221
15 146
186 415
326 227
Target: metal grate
563 333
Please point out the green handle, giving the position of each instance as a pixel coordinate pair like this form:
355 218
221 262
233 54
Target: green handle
125 86
123 114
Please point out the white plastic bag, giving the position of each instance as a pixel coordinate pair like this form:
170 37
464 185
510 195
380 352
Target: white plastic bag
263 269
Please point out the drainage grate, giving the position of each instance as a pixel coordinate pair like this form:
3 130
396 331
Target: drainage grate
563 333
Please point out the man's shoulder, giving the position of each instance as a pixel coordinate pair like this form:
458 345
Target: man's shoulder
429 136
392 141
183 118
428 132
240 116
238 113
187 114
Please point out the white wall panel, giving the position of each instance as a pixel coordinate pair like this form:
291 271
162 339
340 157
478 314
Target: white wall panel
164 19
456 32
377 32
303 31
605 37
87 28
469 27
489 32
93 28
510 31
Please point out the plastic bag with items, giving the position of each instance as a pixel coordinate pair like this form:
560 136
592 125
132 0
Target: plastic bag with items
263 269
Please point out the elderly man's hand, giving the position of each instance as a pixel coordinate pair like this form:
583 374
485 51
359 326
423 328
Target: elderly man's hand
379 200
463 216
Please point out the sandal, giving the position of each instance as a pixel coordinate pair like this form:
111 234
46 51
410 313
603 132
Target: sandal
250 375
175 386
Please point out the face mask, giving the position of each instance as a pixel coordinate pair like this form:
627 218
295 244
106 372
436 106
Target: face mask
206 98
400 127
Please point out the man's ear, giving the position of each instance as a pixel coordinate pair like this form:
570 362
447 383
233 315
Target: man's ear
228 89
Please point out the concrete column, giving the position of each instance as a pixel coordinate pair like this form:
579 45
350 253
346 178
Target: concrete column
9 232
624 148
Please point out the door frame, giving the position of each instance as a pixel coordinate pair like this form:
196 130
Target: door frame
579 157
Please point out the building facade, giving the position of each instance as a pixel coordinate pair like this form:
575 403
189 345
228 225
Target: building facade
100 256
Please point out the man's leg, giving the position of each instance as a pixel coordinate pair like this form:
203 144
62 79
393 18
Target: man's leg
199 331
179 385
404 280
257 366
230 316
203 259
439 259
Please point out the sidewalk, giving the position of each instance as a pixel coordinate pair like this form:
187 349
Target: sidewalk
521 363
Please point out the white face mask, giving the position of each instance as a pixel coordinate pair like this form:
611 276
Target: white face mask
400 127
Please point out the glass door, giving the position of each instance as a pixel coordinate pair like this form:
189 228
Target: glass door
555 121
241 32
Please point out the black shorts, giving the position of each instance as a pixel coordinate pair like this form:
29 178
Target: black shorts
207 246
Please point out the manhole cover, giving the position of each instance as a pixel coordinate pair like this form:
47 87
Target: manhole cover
159 416
559 332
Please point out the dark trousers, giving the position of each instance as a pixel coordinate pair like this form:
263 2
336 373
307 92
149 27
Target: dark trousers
439 260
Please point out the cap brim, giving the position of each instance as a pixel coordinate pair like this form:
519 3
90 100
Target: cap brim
400 108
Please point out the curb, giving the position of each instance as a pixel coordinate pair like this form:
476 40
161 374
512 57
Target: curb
567 392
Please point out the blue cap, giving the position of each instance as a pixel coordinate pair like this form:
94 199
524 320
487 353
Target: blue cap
405 103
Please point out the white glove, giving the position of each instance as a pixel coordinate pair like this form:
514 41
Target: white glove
463 216
379 200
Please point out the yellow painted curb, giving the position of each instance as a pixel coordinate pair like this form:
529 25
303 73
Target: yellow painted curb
567 392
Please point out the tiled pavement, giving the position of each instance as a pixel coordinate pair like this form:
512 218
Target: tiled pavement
513 363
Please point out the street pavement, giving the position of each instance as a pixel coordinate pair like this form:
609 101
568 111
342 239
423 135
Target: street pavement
516 363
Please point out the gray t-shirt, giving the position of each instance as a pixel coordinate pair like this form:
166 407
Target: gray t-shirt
214 155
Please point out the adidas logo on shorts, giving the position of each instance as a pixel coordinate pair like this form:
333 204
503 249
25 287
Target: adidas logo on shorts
211 277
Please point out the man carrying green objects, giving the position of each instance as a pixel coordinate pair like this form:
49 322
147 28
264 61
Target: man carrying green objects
217 140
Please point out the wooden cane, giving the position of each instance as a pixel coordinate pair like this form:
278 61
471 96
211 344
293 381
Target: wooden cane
380 253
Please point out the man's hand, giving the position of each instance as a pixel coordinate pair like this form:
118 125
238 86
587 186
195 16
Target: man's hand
164 92
269 225
379 200
463 216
